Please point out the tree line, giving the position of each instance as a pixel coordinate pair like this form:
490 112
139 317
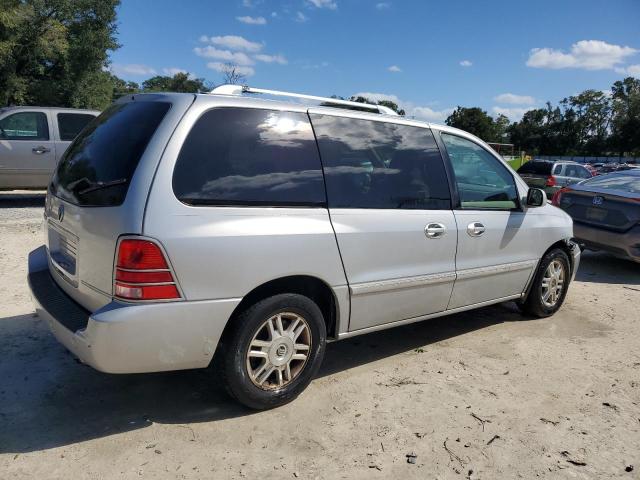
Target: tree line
592 123
56 53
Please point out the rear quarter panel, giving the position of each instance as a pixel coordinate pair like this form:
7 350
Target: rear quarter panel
225 252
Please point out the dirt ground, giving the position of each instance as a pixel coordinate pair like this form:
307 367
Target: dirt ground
484 394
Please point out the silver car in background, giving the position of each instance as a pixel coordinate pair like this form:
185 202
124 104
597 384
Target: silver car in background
32 141
187 230
552 176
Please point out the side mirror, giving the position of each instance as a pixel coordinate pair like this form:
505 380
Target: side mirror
536 197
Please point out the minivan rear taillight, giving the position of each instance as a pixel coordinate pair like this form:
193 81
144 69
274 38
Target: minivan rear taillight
142 272
551 181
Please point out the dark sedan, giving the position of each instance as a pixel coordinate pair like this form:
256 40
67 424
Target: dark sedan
606 212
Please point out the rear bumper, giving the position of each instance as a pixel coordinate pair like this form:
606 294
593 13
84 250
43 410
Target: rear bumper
126 338
626 245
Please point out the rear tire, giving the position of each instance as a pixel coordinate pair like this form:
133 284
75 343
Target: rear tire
550 285
273 351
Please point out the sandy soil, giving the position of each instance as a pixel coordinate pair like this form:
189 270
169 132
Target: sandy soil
484 394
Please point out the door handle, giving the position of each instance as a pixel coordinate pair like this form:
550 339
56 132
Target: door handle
435 230
40 150
475 229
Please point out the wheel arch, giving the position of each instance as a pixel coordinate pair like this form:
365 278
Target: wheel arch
563 245
311 287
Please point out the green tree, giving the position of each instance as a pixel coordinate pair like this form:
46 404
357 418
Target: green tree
476 121
180 82
625 135
122 87
54 52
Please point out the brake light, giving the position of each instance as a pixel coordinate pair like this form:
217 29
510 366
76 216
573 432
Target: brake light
143 273
551 181
557 197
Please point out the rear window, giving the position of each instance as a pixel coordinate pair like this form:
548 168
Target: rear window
247 157
616 181
538 168
70 124
97 167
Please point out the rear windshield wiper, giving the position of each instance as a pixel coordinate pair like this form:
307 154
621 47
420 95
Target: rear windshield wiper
93 186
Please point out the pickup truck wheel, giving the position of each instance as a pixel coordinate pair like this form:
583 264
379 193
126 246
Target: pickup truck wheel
273 351
550 285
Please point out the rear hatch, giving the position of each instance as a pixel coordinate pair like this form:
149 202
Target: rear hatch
601 208
99 191
535 174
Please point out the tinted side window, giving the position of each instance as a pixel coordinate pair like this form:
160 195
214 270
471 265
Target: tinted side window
372 164
70 124
240 156
557 169
25 126
483 182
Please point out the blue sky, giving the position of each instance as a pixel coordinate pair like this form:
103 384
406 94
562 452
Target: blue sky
429 56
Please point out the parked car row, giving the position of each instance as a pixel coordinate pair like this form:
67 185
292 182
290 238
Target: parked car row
604 204
180 227
32 141
600 168
552 176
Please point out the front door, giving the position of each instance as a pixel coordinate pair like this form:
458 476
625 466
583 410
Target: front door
389 203
496 238
27 152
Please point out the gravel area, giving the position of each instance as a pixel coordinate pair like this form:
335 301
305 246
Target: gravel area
483 394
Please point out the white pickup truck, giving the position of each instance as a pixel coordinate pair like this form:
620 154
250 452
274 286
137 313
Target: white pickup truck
32 141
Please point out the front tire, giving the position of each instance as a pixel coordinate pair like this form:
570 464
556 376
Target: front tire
550 285
273 350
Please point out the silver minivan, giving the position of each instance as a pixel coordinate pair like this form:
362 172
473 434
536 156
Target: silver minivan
186 230
32 141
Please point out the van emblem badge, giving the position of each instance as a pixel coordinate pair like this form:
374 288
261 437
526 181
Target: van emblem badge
60 212
598 200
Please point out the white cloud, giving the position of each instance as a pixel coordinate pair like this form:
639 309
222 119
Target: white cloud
514 99
300 17
330 4
239 58
222 67
233 42
411 110
252 20
314 66
394 68
271 58
633 70
171 71
251 3
585 54
513 114
135 69
430 115
465 63
383 5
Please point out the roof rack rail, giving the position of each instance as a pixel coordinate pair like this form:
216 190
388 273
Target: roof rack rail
229 89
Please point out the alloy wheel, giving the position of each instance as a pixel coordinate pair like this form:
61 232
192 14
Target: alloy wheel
278 351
